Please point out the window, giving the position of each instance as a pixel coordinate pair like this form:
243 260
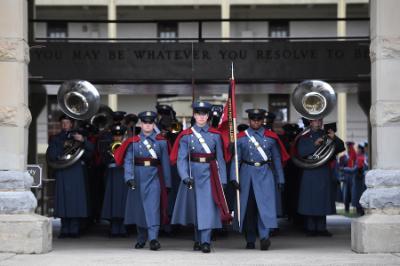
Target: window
57 30
167 30
279 29
279 105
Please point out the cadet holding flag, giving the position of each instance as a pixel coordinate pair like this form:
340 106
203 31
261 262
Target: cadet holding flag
257 150
201 166
147 173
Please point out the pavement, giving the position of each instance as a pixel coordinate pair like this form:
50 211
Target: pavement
290 247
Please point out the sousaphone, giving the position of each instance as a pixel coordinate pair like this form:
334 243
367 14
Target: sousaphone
80 100
314 99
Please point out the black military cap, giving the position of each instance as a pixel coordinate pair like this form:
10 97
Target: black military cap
164 109
201 106
131 118
147 116
118 116
270 116
65 117
118 130
256 114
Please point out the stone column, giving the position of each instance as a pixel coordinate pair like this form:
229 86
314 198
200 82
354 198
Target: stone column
112 34
225 14
342 96
21 231
379 229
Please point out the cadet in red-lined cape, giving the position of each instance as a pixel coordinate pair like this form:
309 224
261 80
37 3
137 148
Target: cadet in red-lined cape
147 173
201 166
258 150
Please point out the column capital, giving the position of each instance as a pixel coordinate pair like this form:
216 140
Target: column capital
14 50
383 48
15 116
385 113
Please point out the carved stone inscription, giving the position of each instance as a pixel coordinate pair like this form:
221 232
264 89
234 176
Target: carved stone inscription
152 62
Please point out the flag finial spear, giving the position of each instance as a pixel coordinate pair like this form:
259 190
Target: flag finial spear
232 77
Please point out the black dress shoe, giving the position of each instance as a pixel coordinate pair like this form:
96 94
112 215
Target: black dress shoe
265 243
324 233
154 244
250 245
205 248
196 246
139 245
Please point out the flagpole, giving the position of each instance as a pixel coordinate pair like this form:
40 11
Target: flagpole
236 160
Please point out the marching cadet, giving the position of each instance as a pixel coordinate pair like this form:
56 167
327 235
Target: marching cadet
201 166
116 190
147 174
257 150
71 199
316 200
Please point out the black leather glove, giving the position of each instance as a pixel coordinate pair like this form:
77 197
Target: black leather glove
235 184
188 182
281 187
131 183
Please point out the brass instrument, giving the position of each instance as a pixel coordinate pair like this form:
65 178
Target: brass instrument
114 146
176 127
80 100
314 99
102 119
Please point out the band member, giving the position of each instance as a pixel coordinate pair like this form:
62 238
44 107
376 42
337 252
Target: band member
351 157
316 200
257 151
99 167
201 166
292 175
269 124
130 121
147 174
118 117
116 190
357 173
269 120
169 129
70 195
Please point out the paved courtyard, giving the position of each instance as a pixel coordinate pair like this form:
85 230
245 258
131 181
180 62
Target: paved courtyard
290 247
